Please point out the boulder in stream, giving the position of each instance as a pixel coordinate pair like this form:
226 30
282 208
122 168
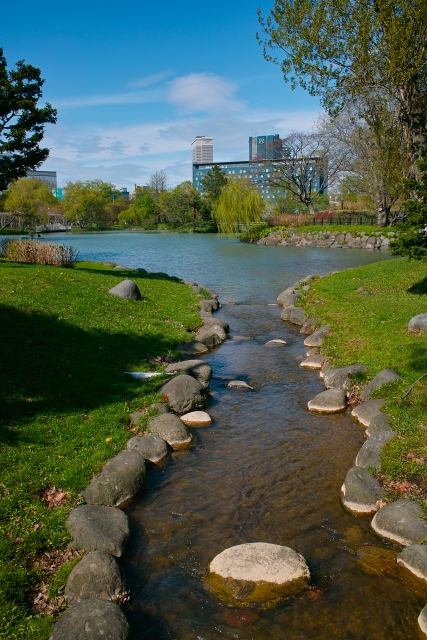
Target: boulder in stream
94 527
121 479
211 336
295 315
412 568
171 429
313 362
257 573
192 348
150 446
317 338
97 575
342 377
197 419
367 411
184 394
361 493
369 455
198 369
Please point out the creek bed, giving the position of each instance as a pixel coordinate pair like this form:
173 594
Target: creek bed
267 470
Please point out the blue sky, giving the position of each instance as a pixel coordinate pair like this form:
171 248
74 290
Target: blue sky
135 81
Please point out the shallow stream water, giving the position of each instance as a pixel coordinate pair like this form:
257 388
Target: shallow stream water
267 470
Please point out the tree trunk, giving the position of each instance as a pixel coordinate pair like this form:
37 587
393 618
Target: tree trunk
310 208
383 214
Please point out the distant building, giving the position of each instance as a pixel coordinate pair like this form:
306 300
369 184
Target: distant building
269 147
202 149
48 177
58 193
124 193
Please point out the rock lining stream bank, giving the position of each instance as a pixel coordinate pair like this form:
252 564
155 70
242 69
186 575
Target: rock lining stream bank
330 239
399 522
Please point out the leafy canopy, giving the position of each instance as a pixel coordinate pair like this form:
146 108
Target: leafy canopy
239 204
412 242
85 203
22 123
213 183
29 199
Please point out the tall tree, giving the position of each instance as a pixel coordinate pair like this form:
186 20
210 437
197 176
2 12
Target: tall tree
30 200
181 205
314 162
213 182
412 241
342 50
22 122
158 183
85 203
240 203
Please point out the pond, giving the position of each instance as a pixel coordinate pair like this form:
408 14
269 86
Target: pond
267 470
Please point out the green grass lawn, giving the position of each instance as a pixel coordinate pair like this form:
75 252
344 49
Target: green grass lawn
371 329
65 403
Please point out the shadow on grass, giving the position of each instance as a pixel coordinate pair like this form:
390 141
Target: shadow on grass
132 275
418 356
419 288
49 366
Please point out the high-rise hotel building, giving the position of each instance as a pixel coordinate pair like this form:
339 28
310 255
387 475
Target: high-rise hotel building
202 149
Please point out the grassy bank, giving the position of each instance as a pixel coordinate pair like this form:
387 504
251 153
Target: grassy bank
371 329
65 402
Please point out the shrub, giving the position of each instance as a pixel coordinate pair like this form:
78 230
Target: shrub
38 252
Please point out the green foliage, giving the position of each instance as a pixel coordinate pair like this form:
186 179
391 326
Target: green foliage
63 394
86 203
343 50
182 205
412 242
239 204
22 123
213 183
30 199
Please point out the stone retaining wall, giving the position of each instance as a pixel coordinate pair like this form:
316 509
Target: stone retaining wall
333 240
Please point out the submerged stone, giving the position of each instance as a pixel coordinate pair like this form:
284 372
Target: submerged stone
376 560
239 384
257 573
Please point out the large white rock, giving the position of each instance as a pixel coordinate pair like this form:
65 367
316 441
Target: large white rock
197 419
257 573
330 401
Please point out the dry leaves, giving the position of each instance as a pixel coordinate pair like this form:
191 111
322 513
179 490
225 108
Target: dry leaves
405 487
49 563
54 497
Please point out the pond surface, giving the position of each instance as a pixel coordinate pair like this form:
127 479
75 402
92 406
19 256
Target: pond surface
267 470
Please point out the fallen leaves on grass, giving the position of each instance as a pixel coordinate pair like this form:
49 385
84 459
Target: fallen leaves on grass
162 360
49 562
54 497
413 456
404 487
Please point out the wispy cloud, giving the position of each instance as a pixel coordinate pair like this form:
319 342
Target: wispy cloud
148 81
130 97
206 92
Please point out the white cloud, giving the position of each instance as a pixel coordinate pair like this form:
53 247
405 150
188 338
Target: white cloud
203 92
147 81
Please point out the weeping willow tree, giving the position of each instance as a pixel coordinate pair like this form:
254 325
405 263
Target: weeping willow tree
239 204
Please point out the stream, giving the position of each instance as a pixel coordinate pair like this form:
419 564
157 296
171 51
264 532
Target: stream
267 470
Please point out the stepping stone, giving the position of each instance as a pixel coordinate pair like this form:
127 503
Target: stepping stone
378 425
211 336
325 368
150 446
184 394
197 419
294 315
382 378
90 620
342 377
412 568
400 521
330 401
276 343
309 326
171 429
418 323
361 493
313 362
127 289
121 479
370 453
314 351
209 321
367 411
288 297
209 305
192 348
257 573
93 527
317 338
97 575
198 369
239 384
